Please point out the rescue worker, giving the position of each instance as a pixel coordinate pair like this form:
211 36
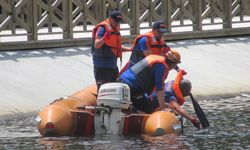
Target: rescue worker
149 74
106 48
175 91
149 43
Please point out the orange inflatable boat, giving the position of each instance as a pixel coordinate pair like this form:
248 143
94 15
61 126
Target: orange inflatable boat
83 114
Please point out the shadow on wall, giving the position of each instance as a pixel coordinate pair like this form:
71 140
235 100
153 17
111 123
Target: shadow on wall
52 53
211 41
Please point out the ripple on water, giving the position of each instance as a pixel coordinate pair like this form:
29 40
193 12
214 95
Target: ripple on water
229 129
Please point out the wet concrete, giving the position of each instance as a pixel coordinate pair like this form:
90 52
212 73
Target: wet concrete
31 79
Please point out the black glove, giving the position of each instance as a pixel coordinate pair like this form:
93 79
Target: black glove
195 122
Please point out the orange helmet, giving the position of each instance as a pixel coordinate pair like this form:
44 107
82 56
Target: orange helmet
173 56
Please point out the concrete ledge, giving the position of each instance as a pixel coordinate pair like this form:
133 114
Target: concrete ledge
126 39
208 34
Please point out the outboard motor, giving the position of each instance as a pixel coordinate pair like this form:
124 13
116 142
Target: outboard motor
112 99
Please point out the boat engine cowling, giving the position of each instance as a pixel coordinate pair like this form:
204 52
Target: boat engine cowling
112 99
114 95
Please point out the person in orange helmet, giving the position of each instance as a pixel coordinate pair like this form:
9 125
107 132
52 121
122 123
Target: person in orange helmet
174 93
148 75
106 48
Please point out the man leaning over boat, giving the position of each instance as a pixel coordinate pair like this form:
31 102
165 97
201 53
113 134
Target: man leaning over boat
149 74
175 91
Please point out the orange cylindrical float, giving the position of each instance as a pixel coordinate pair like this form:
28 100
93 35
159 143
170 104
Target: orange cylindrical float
160 123
56 119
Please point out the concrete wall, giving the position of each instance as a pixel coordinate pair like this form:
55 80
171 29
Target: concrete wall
29 80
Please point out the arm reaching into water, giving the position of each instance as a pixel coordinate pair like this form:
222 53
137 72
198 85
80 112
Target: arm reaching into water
177 108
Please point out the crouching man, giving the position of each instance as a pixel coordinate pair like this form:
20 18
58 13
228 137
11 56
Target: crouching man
174 93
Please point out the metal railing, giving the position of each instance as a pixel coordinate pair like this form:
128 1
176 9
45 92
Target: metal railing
52 23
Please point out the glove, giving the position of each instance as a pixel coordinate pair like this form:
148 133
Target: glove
183 71
106 36
195 122
166 49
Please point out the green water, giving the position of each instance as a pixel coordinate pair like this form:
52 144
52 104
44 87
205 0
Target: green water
229 129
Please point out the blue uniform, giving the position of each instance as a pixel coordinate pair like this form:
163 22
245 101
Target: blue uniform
145 76
137 92
140 46
158 71
169 93
103 62
149 103
105 68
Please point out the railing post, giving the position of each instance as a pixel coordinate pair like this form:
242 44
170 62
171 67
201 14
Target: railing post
135 13
118 4
68 20
50 21
13 16
34 20
166 12
30 20
151 13
227 6
85 16
100 9
197 11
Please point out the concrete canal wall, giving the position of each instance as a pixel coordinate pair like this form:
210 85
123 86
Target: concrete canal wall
29 80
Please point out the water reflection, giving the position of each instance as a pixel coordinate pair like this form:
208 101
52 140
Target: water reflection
229 129
54 143
171 141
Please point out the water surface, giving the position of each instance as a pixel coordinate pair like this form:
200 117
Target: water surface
229 120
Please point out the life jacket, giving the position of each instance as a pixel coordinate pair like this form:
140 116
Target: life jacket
176 88
112 46
156 47
142 71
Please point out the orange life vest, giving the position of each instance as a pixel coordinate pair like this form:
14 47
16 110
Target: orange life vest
112 46
176 88
144 77
156 47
